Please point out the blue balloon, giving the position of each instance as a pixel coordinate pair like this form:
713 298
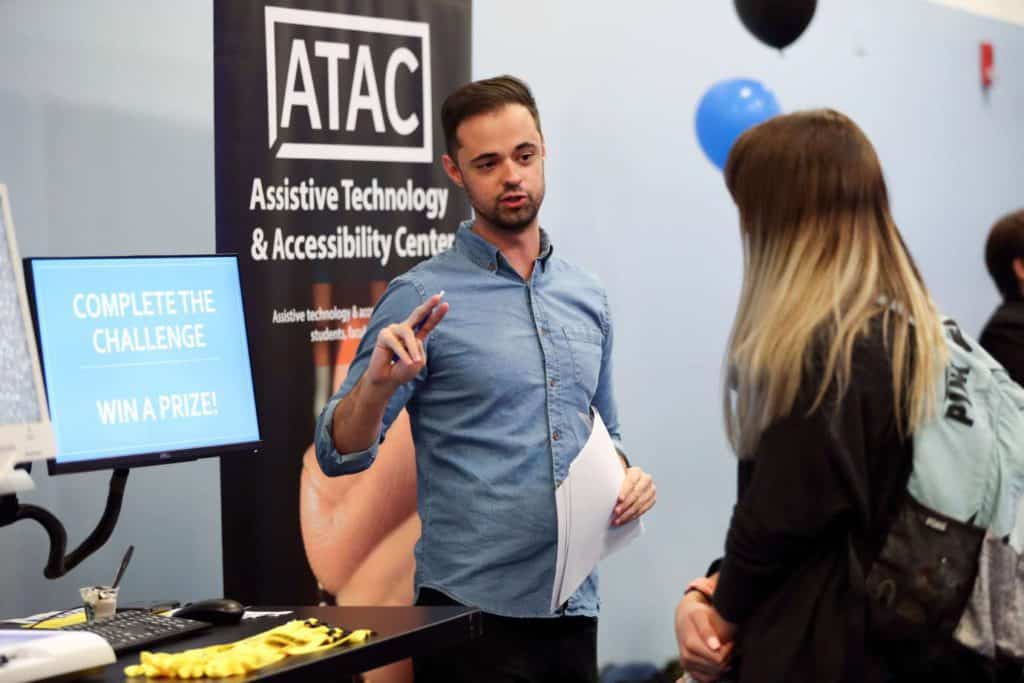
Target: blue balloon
727 109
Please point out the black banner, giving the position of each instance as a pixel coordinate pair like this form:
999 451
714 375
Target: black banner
328 145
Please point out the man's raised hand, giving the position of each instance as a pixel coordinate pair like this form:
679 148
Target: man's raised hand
398 353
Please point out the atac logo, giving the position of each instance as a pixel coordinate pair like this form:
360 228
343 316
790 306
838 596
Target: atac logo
347 87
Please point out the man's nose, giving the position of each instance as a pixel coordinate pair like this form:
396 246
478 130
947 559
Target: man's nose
512 177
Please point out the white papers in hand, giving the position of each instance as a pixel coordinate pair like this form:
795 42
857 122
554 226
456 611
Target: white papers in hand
584 503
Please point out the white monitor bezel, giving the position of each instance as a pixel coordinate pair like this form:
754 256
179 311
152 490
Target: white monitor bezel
30 440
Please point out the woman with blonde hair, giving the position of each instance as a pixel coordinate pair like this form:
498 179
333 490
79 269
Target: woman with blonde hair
833 361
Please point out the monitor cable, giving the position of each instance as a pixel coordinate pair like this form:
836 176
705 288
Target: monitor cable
57 564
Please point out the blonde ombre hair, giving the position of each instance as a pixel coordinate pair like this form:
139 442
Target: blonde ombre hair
822 257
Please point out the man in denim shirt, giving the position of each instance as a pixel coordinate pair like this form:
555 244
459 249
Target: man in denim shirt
496 397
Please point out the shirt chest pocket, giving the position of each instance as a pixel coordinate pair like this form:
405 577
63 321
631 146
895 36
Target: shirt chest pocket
586 346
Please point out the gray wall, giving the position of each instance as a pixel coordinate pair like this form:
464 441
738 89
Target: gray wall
106 144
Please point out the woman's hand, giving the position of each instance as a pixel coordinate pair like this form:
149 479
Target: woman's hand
705 639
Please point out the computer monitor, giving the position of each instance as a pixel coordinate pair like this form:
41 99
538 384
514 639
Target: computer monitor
25 433
145 359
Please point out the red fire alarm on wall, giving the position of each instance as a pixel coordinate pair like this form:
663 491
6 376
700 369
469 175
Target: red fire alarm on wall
987 65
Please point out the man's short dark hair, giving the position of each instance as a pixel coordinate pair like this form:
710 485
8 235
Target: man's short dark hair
1006 243
483 97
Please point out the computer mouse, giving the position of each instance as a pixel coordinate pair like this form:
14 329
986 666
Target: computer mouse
214 611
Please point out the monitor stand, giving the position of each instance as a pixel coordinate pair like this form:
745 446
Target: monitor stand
57 564
13 480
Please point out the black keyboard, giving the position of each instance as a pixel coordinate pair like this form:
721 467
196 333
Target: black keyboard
136 629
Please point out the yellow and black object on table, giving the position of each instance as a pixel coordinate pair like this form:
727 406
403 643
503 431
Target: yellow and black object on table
296 637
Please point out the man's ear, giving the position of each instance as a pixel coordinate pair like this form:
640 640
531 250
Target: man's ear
452 169
1018 269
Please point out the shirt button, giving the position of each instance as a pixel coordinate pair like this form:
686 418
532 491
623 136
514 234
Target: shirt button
552 382
542 331
555 435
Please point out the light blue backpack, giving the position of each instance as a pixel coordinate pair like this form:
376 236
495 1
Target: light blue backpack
950 569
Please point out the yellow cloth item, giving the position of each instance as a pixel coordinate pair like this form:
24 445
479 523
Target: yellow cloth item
297 637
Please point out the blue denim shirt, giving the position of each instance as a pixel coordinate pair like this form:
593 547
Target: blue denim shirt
496 418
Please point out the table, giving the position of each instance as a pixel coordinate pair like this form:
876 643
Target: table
400 632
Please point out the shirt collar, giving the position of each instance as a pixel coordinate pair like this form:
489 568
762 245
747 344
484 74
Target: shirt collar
485 254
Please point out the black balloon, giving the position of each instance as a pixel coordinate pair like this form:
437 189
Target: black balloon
776 22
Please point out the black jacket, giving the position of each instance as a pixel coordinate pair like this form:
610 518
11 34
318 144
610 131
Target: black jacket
814 503
1003 337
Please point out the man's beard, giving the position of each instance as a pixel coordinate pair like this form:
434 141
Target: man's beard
507 219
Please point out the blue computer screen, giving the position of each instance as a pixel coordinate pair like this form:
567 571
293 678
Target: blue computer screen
143 358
